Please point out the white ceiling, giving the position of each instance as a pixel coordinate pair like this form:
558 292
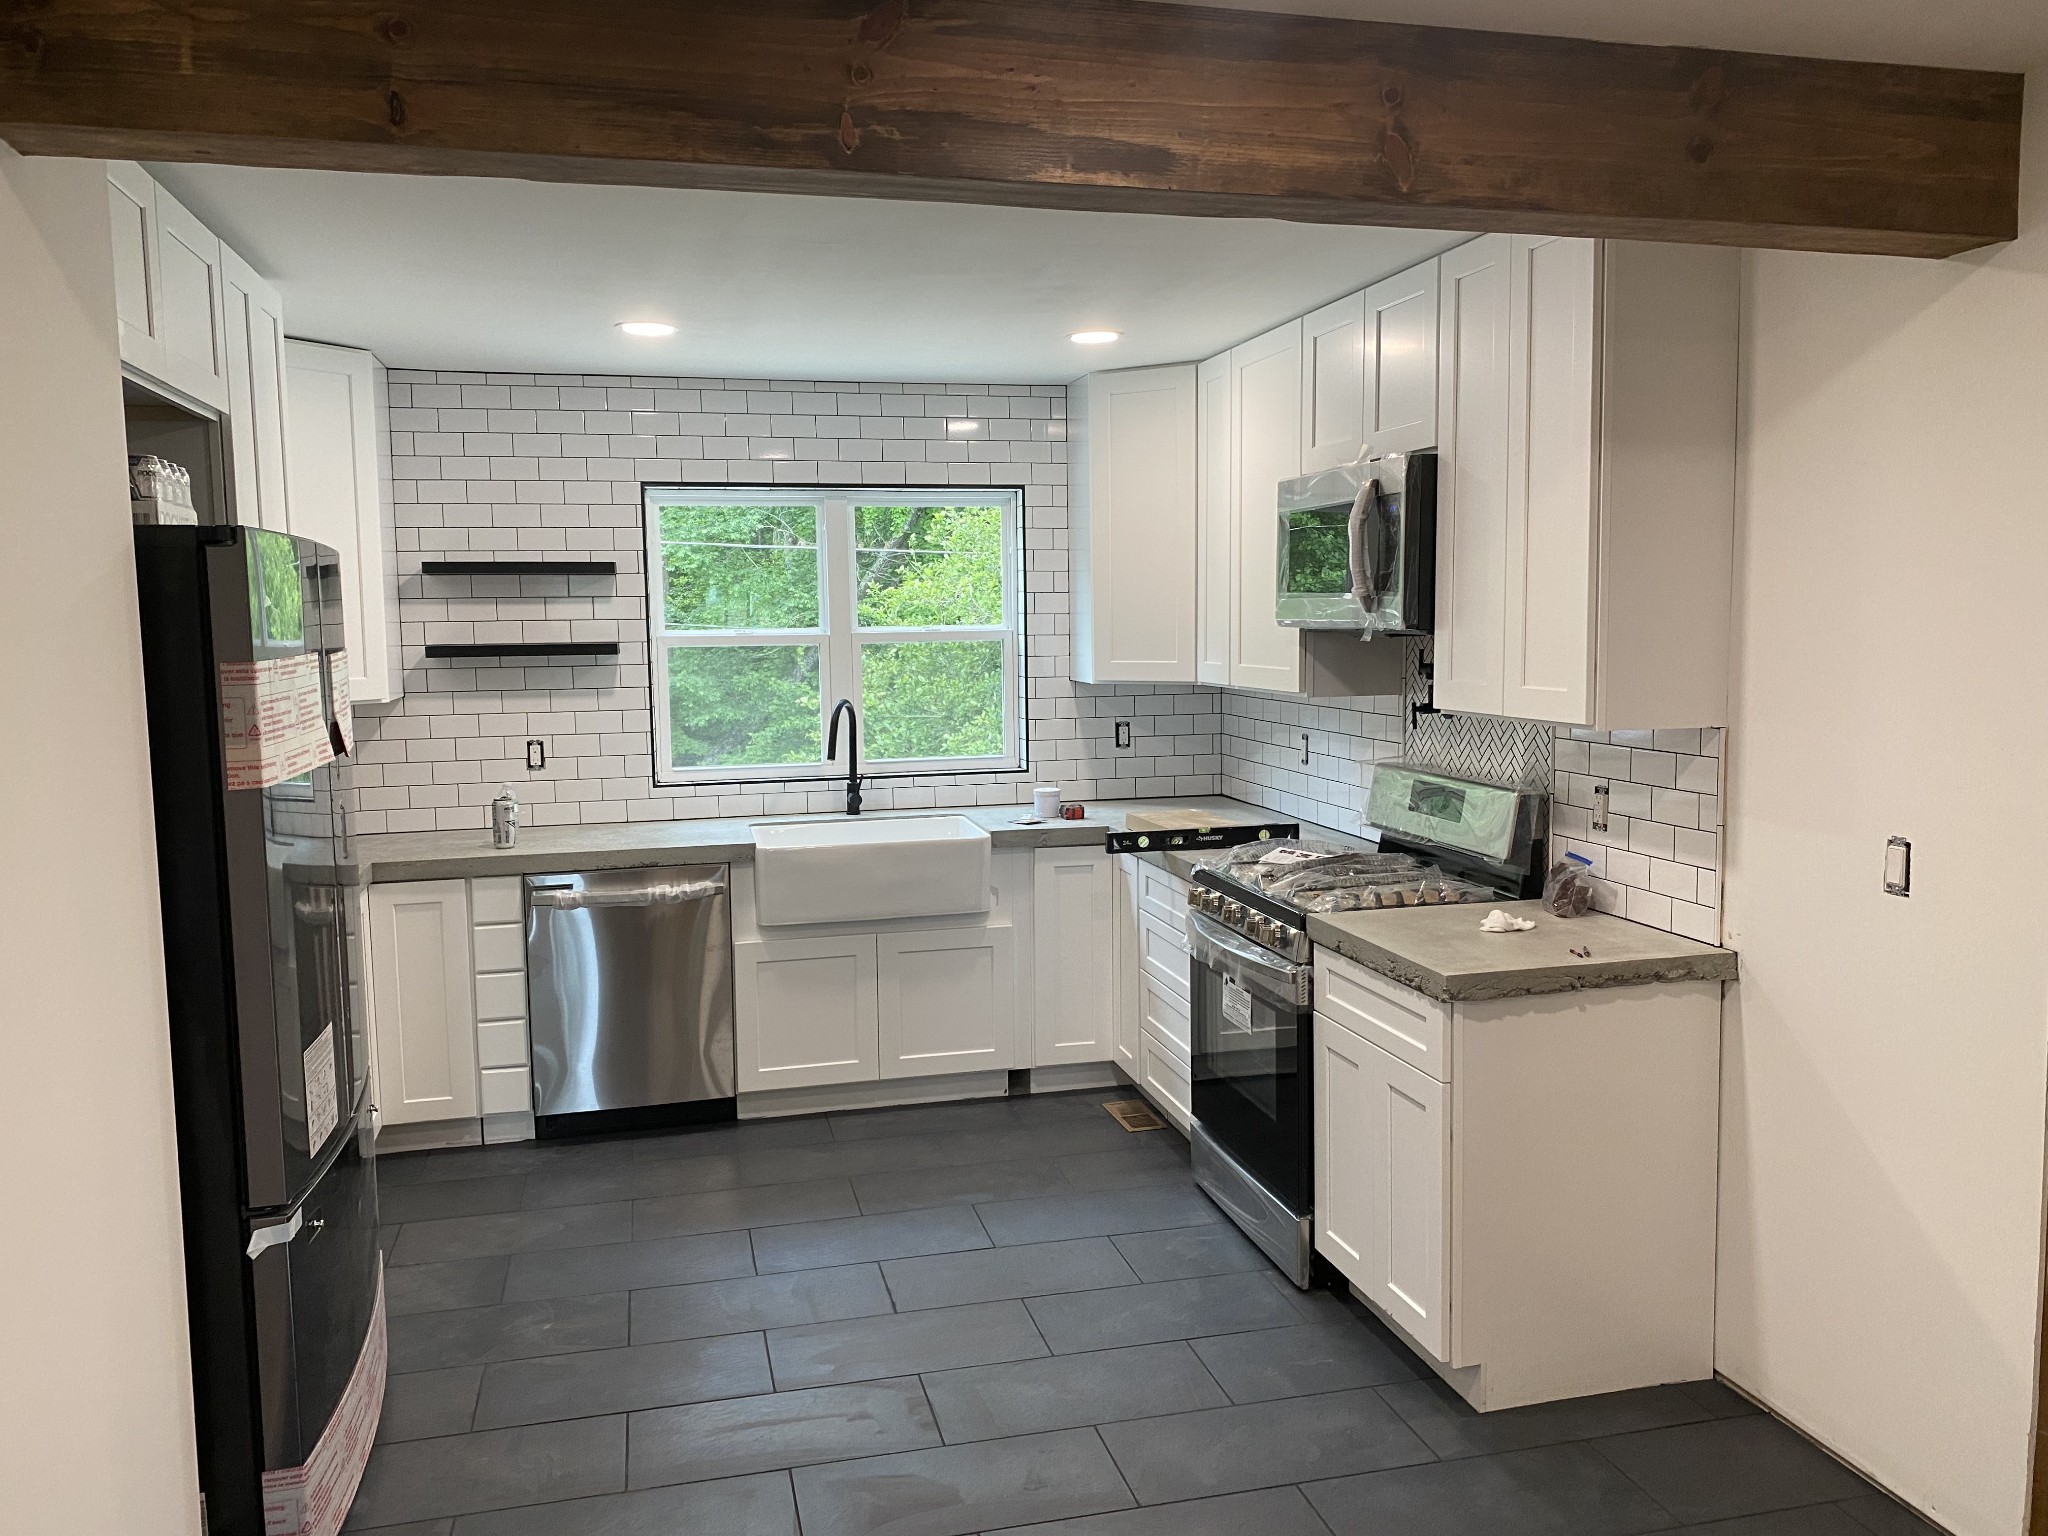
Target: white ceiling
1962 34
459 272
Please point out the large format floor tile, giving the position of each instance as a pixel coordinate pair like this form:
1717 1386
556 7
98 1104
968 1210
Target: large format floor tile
1452 1427
734 1210
1148 1314
620 1380
962 1488
1263 1512
917 1188
1006 1274
1310 1357
903 1344
1149 1162
778 1430
863 1239
1730 1467
422 1404
742 1506
755 1302
498 1469
1067 1391
478 1237
1261 1445
410 1288
452 1197
512 1331
1102 1214
1182 1253
629 1266
1565 1490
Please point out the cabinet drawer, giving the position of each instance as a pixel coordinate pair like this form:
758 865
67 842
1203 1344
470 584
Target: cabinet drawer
1163 955
501 995
1399 1020
1167 1015
1163 1074
501 1043
498 899
1163 895
500 947
506 1090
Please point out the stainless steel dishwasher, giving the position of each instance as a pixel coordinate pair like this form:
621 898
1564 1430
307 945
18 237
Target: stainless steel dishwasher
629 985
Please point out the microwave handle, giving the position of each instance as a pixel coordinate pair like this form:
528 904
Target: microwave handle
1364 507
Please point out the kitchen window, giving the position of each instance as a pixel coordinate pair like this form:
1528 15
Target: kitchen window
766 607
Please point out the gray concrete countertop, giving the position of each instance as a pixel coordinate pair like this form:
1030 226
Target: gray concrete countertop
469 855
1442 952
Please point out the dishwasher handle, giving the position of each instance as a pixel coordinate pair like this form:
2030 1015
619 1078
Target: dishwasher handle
653 894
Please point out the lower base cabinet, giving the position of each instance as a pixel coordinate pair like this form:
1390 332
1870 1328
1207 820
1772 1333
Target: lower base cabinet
855 1008
1150 1030
423 1005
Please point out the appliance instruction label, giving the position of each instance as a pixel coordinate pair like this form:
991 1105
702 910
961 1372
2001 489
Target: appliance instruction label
323 1101
1237 1007
273 720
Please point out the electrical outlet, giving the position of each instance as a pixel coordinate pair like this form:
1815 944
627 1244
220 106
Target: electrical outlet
1123 736
536 755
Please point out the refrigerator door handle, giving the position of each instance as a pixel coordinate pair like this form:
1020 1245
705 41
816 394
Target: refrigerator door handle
275 1234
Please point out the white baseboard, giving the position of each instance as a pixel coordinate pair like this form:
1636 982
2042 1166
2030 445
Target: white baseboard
892 1091
511 1125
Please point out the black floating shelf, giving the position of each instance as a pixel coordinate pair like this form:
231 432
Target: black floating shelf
519 568
515 652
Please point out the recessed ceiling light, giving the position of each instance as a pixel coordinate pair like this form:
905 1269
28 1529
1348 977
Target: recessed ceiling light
1094 338
654 328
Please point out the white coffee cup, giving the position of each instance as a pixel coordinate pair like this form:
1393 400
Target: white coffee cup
1045 801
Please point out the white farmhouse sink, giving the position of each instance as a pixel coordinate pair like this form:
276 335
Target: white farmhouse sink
858 869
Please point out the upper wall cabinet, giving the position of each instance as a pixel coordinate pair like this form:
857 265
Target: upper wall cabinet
1333 384
1132 447
1368 372
257 412
1586 408
1265 428
167 288
1214 533
340 465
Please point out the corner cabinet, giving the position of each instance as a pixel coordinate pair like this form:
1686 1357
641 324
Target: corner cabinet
1132 448
340 487
1586 412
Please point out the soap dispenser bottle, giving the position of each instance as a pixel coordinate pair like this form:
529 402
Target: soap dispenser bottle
505 819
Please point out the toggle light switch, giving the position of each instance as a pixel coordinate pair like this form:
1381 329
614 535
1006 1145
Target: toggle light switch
1898 867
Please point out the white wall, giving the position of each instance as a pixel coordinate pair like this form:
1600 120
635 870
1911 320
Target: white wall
95 1409
1884 1080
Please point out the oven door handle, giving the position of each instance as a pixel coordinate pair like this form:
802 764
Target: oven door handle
1252 966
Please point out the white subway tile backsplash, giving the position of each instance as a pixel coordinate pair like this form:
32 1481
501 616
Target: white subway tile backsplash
1661 850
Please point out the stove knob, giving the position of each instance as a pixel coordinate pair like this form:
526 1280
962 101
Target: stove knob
1233 911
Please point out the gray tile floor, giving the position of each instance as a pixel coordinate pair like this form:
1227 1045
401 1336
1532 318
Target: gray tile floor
955 1319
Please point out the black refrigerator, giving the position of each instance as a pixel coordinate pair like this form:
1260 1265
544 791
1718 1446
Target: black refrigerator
246 681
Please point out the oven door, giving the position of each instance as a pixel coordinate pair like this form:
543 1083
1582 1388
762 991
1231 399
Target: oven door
1251 1059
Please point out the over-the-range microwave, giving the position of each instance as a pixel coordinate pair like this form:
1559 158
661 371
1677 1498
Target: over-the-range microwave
1358 547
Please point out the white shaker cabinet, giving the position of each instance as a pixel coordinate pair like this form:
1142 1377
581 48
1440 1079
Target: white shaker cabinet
1333 373
1215 531
1399 356
808 1012
167 288
1130 988
947 1000
423 1007
340 489
1132 446
1073 933
1586 511
257 412
1265 424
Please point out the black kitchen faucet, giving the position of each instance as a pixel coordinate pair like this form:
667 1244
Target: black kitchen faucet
845 707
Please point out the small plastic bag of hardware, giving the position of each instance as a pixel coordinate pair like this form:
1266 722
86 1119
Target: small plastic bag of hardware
1568 888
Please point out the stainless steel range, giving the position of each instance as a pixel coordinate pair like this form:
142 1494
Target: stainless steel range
1442 840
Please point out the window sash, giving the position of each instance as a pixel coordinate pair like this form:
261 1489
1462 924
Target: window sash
840 637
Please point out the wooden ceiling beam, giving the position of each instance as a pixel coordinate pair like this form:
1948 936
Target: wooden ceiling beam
1093 104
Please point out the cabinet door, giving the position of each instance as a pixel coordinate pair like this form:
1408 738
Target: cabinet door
339 463
1400 349
1134 526
1216 536
131 198
423 1011
1126 874
1164 1077
805 1012
948 1001
1074 935
1265 411
1333 377
1382 1180
256 395
1554 341
1472 481
192 312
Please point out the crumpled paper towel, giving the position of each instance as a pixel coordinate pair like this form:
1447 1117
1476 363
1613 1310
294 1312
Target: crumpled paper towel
1498 921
